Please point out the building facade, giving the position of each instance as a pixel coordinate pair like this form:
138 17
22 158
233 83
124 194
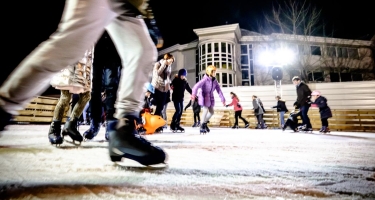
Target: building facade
246 58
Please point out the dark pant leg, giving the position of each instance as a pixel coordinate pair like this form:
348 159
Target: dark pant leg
324 122
305 117
160 101
178 105
96 98
243 119
111 81
236 115
196 117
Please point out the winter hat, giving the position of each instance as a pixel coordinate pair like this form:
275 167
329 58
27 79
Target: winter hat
316 92
150 88
182 72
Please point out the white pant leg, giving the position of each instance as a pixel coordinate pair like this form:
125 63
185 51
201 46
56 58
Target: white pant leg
138 53
207 114
82 23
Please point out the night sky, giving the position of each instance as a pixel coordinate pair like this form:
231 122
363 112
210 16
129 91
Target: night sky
25 24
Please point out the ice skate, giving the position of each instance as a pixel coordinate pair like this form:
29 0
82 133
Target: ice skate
173 127
54 133
70 129
247 125
125 142
194 125
235 127
203 128
326 130
206 126
179 128
92 131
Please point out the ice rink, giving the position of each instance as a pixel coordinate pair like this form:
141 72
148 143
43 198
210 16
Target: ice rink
224 164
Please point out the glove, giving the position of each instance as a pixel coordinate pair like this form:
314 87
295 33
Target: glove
226 105
192 97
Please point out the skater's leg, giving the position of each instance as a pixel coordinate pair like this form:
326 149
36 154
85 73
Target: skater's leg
282 113
161 98
111 80
236 115
137 52
180 109
305 117
82 23
61 105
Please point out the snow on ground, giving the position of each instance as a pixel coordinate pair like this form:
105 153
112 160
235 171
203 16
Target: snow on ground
224 164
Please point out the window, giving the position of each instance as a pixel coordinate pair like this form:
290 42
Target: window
316 76
251 54
223 47
225 78
251 67
230 79
335 77
342 52
244 59
245 74
245 83
346 77
218 77
353 53
331 51
244 67
224 65
357 77
230 66
252 80
204 49
209 48
315 50
293 73
243 49
216 47
229 48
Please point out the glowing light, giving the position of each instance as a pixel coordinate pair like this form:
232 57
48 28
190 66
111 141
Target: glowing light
276 57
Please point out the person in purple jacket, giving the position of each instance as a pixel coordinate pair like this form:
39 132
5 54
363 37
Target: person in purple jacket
206 97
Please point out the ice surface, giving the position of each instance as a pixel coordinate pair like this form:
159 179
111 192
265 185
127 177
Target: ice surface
224 164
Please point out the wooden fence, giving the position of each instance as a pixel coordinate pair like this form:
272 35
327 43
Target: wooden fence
41 109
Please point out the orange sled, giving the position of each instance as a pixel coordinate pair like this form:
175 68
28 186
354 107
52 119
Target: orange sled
152 122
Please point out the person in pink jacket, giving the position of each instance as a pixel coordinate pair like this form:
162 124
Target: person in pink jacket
237 110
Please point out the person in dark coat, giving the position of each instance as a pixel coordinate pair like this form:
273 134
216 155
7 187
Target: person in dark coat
281 108
324 110
303 97
179 85
196 110
292 121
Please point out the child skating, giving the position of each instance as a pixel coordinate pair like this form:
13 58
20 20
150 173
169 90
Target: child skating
324 110
179 85
281 109
237 110
196 110
206 98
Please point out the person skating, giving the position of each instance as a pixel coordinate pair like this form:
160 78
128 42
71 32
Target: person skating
324 110
196 110
82 24
303 97
208 84
179 85
258 112
237 110
281 109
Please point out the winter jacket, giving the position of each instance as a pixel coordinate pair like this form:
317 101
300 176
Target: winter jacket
258 106
161 76
206 96
75 78
196 107
303 95
179 86
236 105
324 109
281 107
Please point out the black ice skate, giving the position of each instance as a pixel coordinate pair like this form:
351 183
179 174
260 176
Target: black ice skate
92 131
326 130
247 125
70 129
54 133
194 125
235 127
125 142
203 129
173 126
179 128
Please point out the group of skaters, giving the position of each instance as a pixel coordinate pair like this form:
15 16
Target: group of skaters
69 54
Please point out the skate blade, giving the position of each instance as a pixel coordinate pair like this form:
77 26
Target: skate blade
131 164
75 143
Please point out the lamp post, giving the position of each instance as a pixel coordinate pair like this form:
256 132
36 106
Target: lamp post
277 58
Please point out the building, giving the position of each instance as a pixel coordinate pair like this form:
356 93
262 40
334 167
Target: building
246 58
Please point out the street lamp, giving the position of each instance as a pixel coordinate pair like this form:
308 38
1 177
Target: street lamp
277 58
